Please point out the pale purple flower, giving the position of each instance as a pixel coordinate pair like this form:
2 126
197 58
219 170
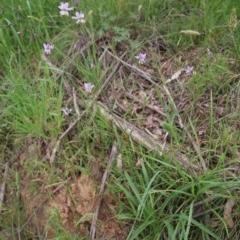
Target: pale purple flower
189 69
88 87
141 57
79 17
67 111
64 8
48 47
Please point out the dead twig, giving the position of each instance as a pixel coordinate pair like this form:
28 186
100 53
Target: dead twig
79 116
135 69
3 187
143 138
113 156
137 134
58 143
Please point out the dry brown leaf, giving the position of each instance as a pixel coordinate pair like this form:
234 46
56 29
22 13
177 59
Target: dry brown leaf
175 75
139 162
227 213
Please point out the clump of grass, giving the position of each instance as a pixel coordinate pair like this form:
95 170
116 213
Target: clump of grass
33 109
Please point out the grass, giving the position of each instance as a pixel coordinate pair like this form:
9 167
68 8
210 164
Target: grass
150 196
